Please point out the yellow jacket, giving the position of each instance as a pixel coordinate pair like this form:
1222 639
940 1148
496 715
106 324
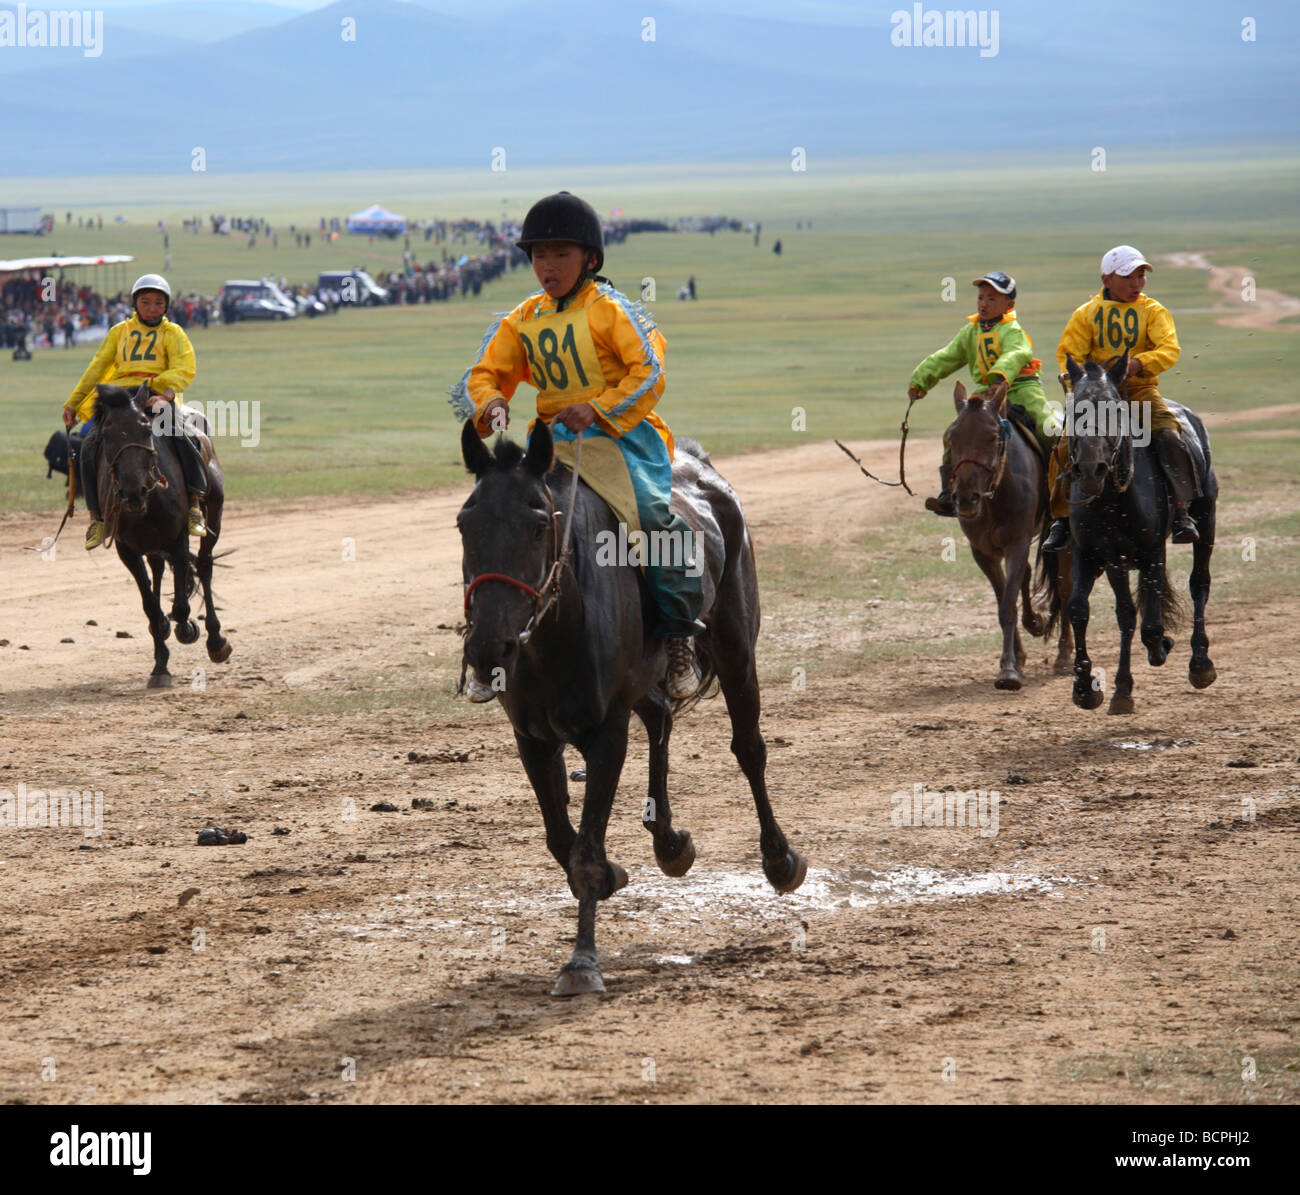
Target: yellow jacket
132 350
1102 328
600 348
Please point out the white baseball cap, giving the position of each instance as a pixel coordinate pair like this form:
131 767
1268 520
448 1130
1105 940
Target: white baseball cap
1123 260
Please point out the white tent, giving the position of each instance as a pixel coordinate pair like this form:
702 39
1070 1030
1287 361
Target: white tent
376 219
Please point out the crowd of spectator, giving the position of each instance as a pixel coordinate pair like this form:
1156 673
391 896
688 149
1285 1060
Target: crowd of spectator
31 316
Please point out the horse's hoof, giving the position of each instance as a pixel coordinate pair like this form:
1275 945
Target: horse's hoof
1156 656
1008 680
162 630
219 652
681 863
615 878
1203 679
1036 626
160 680
1063 667
787 874
1089 699
187 631
1121 705
578 981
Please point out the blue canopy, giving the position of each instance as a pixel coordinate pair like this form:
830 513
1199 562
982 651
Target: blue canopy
376 219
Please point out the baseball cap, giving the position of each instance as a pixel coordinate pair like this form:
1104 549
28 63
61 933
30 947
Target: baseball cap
1004 284
1123 260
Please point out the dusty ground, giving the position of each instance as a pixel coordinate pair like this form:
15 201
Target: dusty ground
1135 939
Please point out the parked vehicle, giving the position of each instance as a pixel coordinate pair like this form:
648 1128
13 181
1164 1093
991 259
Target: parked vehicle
262 299
353 286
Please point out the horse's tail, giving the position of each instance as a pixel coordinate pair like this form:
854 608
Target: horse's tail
1047 574
1172 610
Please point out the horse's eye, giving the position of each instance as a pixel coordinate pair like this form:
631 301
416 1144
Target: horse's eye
539 530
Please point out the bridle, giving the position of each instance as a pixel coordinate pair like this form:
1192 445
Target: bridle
157 481
1116 448
998 469
545 594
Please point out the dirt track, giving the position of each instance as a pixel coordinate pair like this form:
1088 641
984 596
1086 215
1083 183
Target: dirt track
1138 942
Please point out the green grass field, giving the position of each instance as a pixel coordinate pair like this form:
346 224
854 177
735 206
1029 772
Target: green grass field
354 404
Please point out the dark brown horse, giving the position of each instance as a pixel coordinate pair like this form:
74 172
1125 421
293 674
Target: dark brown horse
578 672
142 494
1001 501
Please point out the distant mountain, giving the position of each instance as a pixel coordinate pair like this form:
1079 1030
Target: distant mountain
376 83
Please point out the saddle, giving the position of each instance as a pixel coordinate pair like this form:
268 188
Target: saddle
1023 422
1195 449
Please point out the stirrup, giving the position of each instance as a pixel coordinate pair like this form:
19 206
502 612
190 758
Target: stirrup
1184 529
942 505
1058 537
197 524
94 534
683 680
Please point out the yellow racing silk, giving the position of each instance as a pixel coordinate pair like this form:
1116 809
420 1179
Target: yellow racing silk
1103 328
131 352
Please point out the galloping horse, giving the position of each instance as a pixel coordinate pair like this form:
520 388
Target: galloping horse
1001 504
142 495
1119 518
576 672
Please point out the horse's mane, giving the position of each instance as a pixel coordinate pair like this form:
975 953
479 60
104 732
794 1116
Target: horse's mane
506 453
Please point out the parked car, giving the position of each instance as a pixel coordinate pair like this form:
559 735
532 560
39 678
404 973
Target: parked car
262 299
310 305
354 286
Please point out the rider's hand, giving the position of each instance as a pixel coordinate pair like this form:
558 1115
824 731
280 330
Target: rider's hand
490 419
915 393
1134 367
577 417
69 417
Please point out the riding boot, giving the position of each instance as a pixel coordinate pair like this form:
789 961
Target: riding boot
944 503
1058 538
196 479
87 470
1176 462
683 679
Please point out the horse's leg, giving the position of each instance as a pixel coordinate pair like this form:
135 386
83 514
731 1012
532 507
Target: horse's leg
674 850
1153 582
1064 585
1087 694
159 627
544 763
157 566
218 645
1008 673
592 877
1121 700
1201 669
187 630
733 653
1030 619
1018 570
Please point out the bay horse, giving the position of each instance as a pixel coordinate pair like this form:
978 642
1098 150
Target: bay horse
575 673
143 497
1001 501
1120 512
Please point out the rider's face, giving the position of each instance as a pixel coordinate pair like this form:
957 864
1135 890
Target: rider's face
558 265
1125 288
150 304
991 303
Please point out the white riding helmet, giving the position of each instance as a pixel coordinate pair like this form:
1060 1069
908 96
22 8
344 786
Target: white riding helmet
151 282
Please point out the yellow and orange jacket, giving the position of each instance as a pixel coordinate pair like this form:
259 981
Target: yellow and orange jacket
131 351
601 348
1103 328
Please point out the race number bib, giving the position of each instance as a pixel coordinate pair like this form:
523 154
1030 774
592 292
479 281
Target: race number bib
139 351
1118 326
562 359
988 350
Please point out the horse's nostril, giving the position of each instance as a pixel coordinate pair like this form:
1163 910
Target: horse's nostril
508 650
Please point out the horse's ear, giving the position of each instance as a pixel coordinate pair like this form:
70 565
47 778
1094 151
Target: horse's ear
1119 371
1073 368
478 460
142 393
541 450
959 397
998 396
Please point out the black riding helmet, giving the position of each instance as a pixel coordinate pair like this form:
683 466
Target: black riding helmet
564 217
